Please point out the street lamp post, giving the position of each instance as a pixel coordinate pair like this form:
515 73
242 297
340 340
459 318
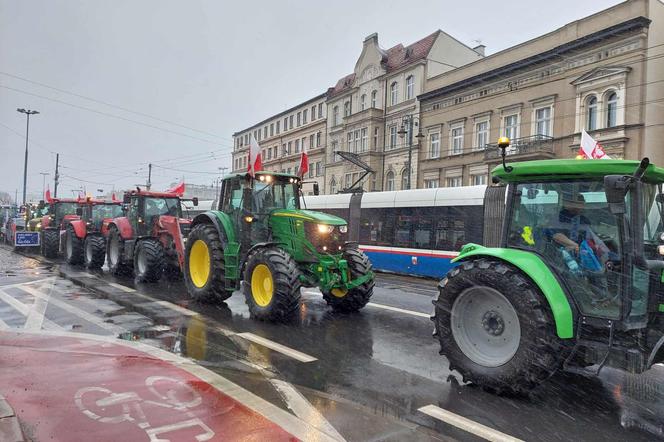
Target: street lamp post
27 131
410 121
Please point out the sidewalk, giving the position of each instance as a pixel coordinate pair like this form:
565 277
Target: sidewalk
74 387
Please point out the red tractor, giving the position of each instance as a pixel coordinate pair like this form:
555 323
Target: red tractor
60 212
85 240
149 237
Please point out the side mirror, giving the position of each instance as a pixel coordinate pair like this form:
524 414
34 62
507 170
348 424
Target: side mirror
615 187
195 201
316 189
126 199
79 211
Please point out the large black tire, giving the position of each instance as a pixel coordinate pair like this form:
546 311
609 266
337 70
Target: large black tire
73 247
501 354
115 251
205 281
94 251
354 299
149 260
283 288
50 242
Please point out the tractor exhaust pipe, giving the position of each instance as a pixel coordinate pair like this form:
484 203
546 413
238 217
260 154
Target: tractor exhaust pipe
638 174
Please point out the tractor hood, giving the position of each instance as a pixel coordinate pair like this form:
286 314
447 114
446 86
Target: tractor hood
310 215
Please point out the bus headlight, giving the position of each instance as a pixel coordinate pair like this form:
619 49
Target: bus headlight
325 228
343 229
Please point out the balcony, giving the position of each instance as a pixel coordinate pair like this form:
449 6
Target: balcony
533 147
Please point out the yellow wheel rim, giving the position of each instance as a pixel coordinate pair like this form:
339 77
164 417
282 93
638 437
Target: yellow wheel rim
262 285
199 263
339 293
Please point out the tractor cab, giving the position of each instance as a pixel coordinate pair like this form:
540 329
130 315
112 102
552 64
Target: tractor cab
58 211
145 208
95 212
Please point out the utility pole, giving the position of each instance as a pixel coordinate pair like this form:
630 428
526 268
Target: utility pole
57 175
43 174
27 132
409 120
149 183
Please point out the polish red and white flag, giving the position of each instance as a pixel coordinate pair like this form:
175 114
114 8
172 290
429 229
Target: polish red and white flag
255 158
304 163
591 149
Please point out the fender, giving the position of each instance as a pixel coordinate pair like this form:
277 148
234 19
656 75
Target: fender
80 228
533 266
123 225
221 220
69 218
104 226
46 221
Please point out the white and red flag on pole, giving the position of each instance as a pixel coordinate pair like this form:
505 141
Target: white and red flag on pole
47 196
255 158
304 163
177 189
591 149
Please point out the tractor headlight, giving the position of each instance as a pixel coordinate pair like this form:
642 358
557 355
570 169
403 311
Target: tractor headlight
343 229
325 228
38 226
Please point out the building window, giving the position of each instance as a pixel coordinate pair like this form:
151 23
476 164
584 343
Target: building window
335 147
320 110
363 102
305 114
335 116
404 179
393 137
285 124
304 139
375 138
456 140
297 146
543 121
349 147
394 93
389 181
611 109
318 168
356 144
333 185
317 139
434 145
290 122
410 87
290 144
481 134
311 141
313 112
511 126
278 124
265 132
591 113
454 181
347 109
478 180
271 129
299 118
432 184
365 140
374 94
283 150
269 153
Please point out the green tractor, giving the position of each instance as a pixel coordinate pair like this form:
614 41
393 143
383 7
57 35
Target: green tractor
574 279
261 241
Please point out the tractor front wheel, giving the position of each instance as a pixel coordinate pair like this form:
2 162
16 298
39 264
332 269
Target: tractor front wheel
271 285
73 247
94 251
149 260
495 328
115 251
204 271
50 242
354 299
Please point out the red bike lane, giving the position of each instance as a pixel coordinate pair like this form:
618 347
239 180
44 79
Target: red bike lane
66 388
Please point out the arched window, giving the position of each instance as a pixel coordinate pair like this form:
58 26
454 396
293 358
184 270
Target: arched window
591 113
394 93
404 179
389 181
335 115
363 102
611 109
374 95
410 87
333 186
346 108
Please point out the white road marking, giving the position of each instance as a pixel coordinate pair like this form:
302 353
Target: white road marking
303 408
397 309
75 310
467 425
19 284
302 357
124 288
35 318
3 325
25 310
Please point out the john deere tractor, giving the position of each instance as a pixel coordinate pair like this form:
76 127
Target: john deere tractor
574 279
261 238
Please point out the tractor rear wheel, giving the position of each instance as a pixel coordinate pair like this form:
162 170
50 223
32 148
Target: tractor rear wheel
272 285
149 260
204 270
94 251
73 247
354 299
495 328
50 243
115 251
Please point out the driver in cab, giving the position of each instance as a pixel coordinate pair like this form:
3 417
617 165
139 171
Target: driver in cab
573 224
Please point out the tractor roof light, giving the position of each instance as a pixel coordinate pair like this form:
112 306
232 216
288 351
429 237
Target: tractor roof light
503 144
268 178
262 177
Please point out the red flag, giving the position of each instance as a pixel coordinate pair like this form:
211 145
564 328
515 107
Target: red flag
178 190
255 158
304 164
47 196
115 200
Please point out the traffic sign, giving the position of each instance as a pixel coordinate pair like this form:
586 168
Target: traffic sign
27 239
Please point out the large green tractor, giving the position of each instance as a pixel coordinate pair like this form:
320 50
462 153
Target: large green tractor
574 280
260 240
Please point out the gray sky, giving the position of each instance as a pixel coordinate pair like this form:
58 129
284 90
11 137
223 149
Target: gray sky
212 66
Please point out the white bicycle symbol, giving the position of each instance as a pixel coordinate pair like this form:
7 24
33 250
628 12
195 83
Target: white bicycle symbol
114 408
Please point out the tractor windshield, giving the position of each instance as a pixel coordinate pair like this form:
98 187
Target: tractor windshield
62 209
156 207
277 194
570 226
102 211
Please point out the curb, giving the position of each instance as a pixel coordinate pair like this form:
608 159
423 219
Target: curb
10 427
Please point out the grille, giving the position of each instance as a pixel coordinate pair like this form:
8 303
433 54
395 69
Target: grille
326 242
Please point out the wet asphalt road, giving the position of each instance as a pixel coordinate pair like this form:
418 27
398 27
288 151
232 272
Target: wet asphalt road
372 370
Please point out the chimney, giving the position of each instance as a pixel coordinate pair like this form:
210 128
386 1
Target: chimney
480 49
371 39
